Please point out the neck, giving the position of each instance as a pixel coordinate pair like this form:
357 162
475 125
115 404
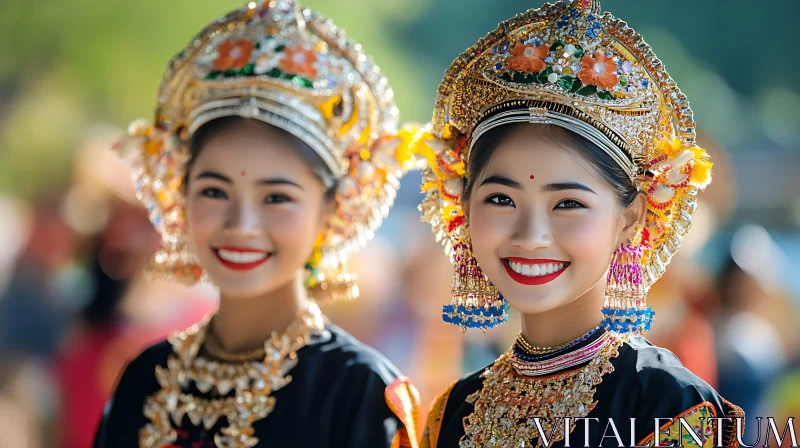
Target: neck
565 323
244 324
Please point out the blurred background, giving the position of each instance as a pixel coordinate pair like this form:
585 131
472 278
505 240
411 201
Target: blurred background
74 306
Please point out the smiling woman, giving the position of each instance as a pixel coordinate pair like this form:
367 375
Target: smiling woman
273 153
253 232
562 177
572 216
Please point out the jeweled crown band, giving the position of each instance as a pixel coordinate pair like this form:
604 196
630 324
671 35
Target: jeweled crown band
294 117
540 115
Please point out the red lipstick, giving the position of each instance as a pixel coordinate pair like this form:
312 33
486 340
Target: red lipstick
529 280
241 266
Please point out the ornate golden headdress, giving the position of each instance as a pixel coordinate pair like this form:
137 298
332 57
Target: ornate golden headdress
571 65
294 70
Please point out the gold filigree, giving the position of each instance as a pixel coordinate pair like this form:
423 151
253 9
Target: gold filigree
252 384
508 405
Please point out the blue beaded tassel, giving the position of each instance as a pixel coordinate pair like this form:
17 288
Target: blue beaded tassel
475 302
625 310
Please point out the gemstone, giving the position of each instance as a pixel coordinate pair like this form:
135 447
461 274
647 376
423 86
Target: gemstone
605 95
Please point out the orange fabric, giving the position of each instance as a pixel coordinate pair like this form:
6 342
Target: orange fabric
430 436
403 400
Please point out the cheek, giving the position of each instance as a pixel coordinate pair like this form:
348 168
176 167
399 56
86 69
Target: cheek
588 237
489 230
204 218
292 228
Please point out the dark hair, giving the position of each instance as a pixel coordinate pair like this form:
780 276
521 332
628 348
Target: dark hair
613 174
203 135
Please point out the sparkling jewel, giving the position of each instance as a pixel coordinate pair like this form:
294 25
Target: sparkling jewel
505 405
252 400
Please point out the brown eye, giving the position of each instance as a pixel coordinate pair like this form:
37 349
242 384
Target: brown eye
277 199
501 200
213 193
570 204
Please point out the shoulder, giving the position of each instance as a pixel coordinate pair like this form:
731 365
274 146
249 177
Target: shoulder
123 415
451 406
374 402
656 375
659 386
467 385
342 352
156 354
140 371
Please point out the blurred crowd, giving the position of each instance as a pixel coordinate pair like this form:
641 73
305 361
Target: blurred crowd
75 304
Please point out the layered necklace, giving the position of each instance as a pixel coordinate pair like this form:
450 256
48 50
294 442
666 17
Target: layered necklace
529 385
251 383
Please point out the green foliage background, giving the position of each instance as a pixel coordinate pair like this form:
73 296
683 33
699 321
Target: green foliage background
65 66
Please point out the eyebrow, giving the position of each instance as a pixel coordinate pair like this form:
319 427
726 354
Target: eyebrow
279 181
501 180
549 188
561 186
227 180
214 175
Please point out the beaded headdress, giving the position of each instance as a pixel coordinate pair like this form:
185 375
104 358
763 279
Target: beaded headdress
569 64
294 70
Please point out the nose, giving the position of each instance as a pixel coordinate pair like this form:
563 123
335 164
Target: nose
243 219
532 232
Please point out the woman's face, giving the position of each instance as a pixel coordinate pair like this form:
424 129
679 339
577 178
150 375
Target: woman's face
544 224
254 208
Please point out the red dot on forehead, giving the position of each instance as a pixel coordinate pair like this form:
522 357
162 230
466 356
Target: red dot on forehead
244 172
531 176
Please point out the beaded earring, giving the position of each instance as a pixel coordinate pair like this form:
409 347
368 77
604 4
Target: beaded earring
625 308
475 302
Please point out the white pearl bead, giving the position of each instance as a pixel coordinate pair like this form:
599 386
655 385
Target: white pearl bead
552 78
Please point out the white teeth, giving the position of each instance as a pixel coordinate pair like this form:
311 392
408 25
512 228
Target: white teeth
241 257
535 270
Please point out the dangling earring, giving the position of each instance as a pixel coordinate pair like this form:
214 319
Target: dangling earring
175 259
475 302
329 282
625 309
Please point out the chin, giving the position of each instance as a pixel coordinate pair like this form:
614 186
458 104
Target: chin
244 286
533 303
239 291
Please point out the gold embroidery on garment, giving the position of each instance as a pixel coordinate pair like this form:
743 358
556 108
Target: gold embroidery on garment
508 404
675 434
252 384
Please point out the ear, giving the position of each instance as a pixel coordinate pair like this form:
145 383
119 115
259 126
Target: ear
633 215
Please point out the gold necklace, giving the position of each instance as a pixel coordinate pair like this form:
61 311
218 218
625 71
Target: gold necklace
532 350
508 403
214 348
252 382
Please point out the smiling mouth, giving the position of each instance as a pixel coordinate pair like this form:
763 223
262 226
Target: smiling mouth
241 259
534 271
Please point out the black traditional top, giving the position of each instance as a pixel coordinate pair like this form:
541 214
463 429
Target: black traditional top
646 382
341 395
